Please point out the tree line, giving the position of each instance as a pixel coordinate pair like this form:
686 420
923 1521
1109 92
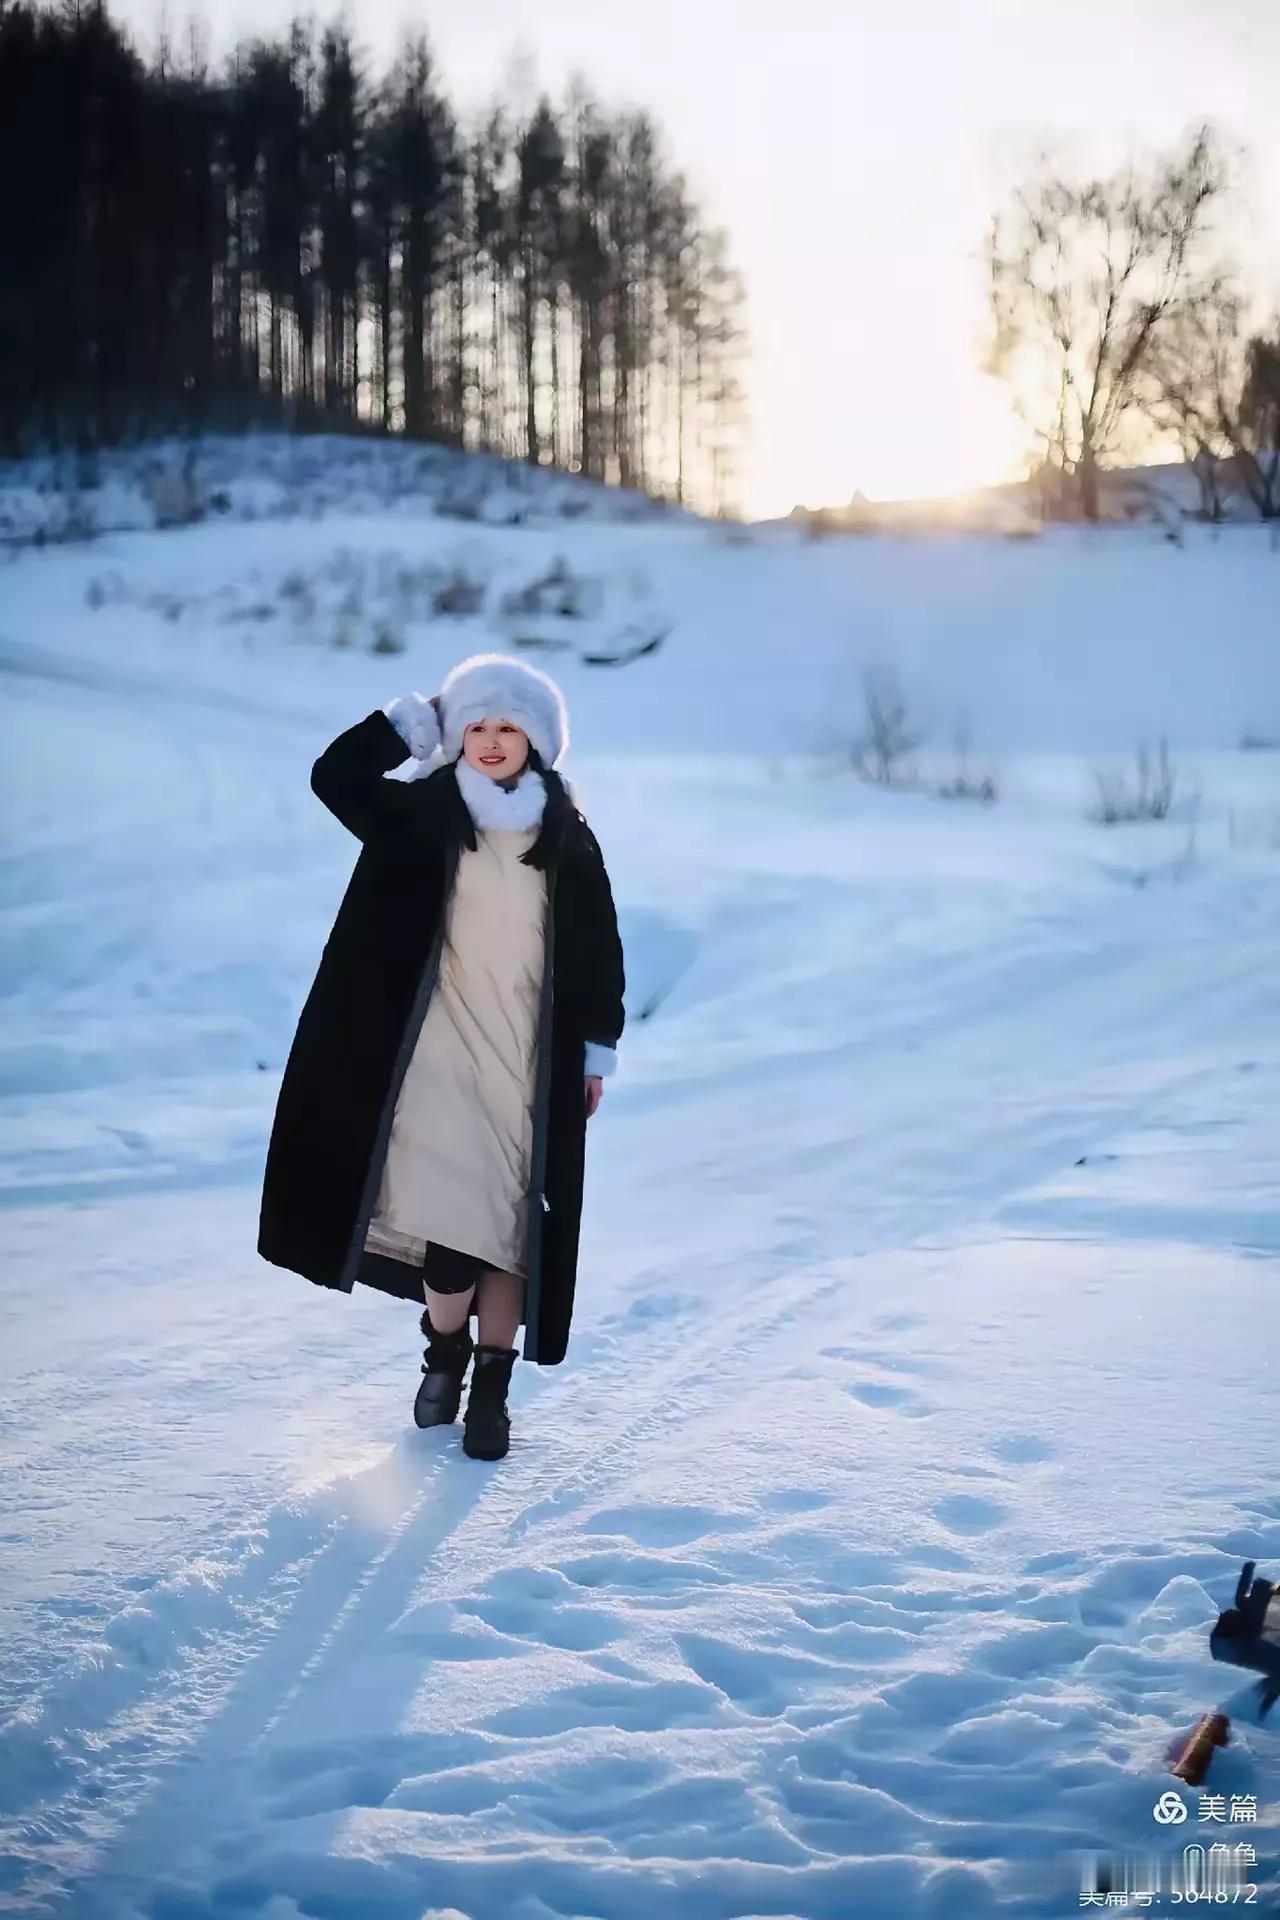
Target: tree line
1117 312
289 241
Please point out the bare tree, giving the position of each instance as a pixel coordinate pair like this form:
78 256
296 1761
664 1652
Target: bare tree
1085 277
1191 384
1218 392
537 250
1256 455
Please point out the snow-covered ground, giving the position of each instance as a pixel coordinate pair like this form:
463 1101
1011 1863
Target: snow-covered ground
921 1401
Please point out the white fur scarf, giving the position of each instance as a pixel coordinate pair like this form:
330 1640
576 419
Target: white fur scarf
491 805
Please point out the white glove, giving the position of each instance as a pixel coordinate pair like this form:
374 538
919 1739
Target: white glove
417 722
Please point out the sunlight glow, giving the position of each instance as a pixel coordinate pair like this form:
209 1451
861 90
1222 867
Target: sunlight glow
971 439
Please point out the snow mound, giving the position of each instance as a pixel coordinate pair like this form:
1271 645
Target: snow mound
277 476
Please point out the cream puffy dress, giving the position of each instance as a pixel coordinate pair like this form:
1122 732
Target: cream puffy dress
458 1161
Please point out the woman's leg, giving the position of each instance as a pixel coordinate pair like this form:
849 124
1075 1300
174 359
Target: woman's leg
449 1311
499 1303
449 1280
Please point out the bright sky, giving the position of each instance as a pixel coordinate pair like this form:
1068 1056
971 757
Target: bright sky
855 151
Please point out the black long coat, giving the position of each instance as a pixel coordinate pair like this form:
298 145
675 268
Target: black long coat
362 1017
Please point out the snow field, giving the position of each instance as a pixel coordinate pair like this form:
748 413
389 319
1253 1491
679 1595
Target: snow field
861 1557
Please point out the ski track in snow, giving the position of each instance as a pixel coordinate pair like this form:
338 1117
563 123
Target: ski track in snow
860 1558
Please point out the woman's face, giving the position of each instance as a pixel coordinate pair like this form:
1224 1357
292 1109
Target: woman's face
495 746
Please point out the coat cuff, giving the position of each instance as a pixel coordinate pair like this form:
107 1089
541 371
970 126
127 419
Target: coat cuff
416 721
599 1058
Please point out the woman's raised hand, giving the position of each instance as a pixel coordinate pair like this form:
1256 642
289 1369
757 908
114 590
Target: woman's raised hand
417 721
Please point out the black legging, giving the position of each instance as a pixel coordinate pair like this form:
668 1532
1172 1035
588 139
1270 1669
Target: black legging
448 1270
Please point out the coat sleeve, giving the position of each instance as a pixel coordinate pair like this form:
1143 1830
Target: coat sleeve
348 777
604 978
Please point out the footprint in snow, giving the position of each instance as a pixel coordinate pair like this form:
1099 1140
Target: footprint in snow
795 1500
336 1790
577 1629
968 1514
641 1707
1029 1652
1059 1561
759 1681
666 1526
643 1573
879 1393
871 1392
1022 1449
877 1357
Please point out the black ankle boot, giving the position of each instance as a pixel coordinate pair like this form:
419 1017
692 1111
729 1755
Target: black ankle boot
486 1430
443 1370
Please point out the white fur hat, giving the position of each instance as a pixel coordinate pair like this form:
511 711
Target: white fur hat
494 685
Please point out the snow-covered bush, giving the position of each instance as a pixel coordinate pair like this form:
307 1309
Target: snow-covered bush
559 592
969 786
966 783
458 595
881 753
298 594
67 516
174 497
1149 796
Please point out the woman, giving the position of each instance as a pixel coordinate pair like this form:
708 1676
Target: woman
429 1136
